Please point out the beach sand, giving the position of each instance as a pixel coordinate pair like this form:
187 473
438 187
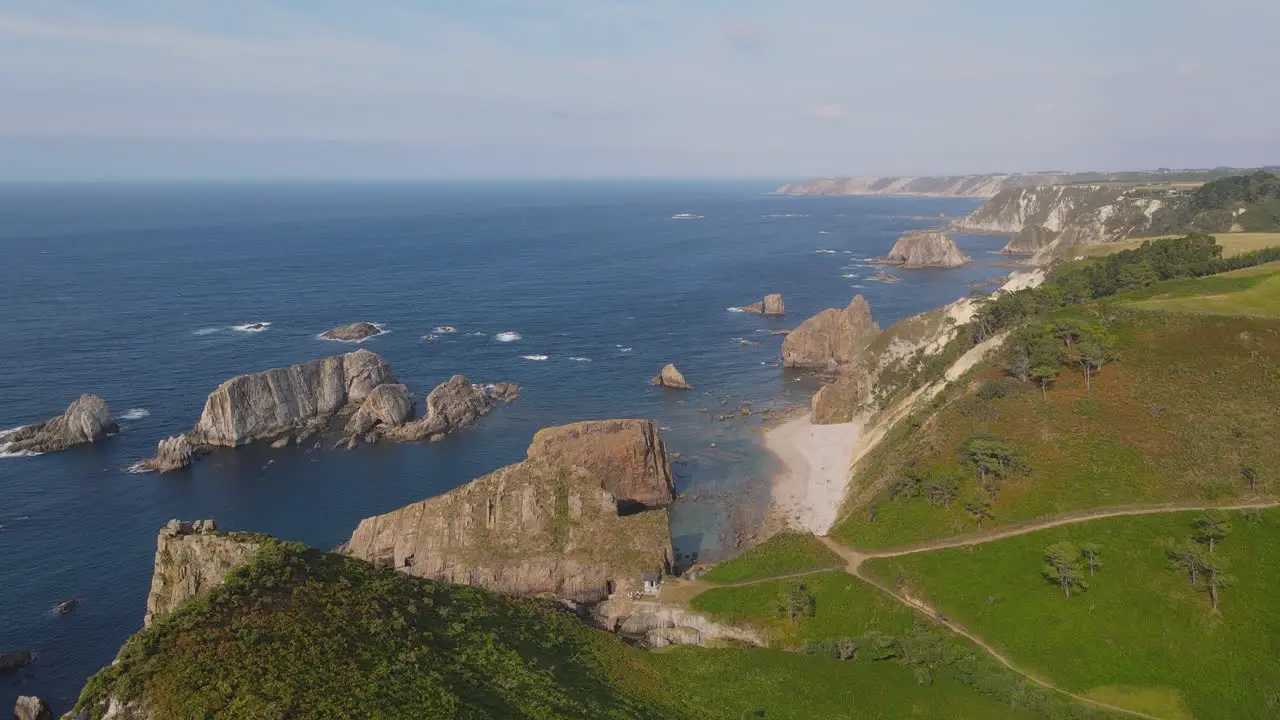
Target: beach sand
808 491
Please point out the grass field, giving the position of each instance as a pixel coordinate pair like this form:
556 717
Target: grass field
1188 405
1141 635
1253 291
782 554
1232 244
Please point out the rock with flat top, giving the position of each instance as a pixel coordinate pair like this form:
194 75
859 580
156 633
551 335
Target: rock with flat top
355 332
192 557
628 456
672 378
86 420
831 338
30 707
928 249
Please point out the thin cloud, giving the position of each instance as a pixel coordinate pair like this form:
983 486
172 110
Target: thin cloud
825 112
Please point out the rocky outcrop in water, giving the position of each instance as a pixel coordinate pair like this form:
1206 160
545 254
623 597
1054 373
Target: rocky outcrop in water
14 659
831 338
191 558
672 378
929 249
86 420
546 525
772 304
31 708
266 406
387 406
451 406
627 455
507 392
355 332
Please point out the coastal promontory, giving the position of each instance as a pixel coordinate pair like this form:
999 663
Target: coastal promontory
86 420
928 249
831 338
576 519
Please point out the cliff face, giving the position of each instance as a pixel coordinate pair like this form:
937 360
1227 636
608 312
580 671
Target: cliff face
1069 215
927 249
831 338
1029 240
191 558
544 525
975 186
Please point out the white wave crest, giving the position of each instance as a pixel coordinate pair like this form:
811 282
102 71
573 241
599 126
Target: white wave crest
823 232
134 414
507 336
206 331
251 327
534 357
735 309
823 251
138 468
574 358
622 349
848 275
445 330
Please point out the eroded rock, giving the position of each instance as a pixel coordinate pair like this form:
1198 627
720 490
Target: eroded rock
838 401
672 378
831 338
191 558
86 420
30 707
928 249
627 455
387 405
355 332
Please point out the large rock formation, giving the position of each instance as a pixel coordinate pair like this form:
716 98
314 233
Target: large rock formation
831 338
86 420
771 305
31 708
929 249
191 558
627 455
670 377
355 332
544 525
451 406
266 406
838 401
387 406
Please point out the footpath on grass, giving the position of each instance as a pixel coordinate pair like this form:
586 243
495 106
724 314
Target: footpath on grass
854 559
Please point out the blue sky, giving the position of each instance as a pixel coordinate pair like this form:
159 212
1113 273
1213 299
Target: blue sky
626 88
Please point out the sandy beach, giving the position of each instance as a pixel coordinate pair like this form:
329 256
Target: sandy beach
808 491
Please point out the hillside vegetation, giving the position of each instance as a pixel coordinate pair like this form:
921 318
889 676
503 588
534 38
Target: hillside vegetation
1095 401
1251 202
298 633
1139 633
786 553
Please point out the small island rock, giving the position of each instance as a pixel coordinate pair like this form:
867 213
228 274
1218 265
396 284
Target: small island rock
14 659
672 378
771 305
507 392
86 420
66 606
928 249
355 332
31 708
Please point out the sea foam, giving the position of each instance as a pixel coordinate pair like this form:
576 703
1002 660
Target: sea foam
580 359
206 331
135 414
508 336
445 330
534 357
251 327
735 309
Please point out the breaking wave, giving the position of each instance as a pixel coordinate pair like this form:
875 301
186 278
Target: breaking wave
507 336
445 330
251 327
534 357
134 414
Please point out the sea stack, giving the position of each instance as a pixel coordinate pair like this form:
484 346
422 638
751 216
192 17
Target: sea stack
582 518
672 378
86 420
928 249
355 332
831 338
771 305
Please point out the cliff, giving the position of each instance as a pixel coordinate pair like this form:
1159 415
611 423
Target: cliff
192 558
974 186
1029 240
545 525
929 249
831 338
86 420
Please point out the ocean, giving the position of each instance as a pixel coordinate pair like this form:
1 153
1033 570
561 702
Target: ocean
579 291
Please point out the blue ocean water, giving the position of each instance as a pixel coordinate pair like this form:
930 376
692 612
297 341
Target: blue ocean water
134 291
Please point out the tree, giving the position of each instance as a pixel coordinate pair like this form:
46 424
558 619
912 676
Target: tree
1250 476
1095 347
942 489
1092 555
979 507
795 602
992 461
1190 557
1211 528
1062 567
1214 576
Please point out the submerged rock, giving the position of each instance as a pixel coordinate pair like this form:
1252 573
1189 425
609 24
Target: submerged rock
14 659
672 378
31 708
545 525
66 606
831 338
928 249
86 420
355 332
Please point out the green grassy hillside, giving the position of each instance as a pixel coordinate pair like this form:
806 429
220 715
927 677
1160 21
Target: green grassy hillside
1184 413
302 634
783 554
1141 635
1253 291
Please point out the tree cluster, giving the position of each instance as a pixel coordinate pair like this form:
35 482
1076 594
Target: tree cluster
1195 555
1065 564
1037 352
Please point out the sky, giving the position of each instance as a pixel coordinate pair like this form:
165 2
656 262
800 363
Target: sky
397 89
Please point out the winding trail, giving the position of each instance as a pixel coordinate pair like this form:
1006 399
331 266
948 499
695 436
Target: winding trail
855 558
